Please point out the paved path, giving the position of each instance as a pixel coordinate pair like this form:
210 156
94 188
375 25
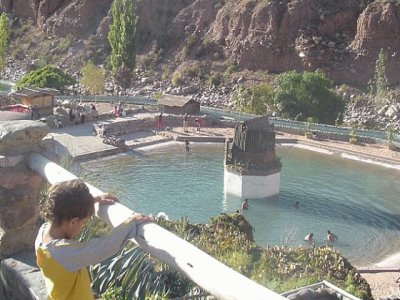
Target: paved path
81 142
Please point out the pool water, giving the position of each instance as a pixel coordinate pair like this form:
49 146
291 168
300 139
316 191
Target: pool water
358 202
4 87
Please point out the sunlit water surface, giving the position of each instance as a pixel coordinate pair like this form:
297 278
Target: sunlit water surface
356 201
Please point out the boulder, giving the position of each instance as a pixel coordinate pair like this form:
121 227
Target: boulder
21 136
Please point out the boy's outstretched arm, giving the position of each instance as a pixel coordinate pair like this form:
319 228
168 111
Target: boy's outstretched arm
75 255
106 199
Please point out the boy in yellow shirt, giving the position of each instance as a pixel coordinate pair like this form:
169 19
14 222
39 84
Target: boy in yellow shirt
62 260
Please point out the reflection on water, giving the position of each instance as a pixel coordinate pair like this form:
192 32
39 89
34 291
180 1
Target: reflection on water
356 201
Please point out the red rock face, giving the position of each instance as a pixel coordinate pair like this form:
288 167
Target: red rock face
341 38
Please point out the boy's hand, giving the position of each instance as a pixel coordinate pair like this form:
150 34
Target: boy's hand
139 218
106 199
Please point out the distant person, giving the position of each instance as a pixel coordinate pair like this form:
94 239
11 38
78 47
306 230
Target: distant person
331 237
93 111
185 122
198 123
82 114
71 115
35 115
159 121
116 111
245 204
187 147
309 238
297 204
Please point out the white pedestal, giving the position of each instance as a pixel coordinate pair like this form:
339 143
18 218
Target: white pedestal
247 186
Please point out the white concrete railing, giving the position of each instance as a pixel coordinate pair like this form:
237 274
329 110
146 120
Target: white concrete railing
210 274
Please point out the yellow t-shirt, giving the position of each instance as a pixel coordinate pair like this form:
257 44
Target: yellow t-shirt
63 262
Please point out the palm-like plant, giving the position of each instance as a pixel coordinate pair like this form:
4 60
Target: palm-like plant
133 274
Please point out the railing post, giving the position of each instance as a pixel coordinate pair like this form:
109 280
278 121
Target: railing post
210 274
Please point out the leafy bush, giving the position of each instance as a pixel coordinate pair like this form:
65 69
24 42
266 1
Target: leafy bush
254 100
48 76
228 238
307 95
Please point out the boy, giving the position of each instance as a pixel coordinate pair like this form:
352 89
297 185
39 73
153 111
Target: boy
62 260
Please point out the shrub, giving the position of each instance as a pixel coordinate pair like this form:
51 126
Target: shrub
47 76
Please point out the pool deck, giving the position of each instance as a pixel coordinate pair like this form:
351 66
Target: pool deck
81 143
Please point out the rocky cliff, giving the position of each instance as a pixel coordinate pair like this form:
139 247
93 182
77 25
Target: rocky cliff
341 38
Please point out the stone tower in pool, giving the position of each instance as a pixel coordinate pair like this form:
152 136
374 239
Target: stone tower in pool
252 169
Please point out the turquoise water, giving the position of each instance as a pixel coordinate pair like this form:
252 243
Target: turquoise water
5 87
358 202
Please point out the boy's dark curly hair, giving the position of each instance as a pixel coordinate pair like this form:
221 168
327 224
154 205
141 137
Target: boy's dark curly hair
67 200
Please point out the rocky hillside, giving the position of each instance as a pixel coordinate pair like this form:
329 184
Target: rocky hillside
342 38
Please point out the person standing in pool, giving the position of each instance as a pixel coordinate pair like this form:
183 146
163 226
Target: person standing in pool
245 204
331 237
187 147
309 238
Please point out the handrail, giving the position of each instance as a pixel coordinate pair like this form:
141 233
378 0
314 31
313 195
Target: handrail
210 274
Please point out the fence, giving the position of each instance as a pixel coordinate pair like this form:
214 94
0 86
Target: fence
292 126
299 127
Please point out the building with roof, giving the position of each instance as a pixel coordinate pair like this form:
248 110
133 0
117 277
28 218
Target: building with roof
178 105
41 99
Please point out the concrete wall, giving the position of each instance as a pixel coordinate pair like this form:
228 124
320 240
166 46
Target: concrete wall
131 124
246 186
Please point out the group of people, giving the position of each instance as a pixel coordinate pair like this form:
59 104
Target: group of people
330 237
197 122
185 122
79 113
119 110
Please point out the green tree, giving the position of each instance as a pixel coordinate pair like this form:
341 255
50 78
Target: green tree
379 86
254 100
307 95
47 76
92 79
3 40
122 36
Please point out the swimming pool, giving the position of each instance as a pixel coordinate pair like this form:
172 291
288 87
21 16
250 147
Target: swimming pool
356 201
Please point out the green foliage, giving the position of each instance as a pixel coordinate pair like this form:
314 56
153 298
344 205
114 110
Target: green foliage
229 238
254 100
307 95
177 78
214 79
122 35
353 135
133 272
390 137
65 43
3 40
93 78
379 86
47 76
308 125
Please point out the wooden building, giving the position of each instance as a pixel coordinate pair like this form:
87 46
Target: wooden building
178 105
41 99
